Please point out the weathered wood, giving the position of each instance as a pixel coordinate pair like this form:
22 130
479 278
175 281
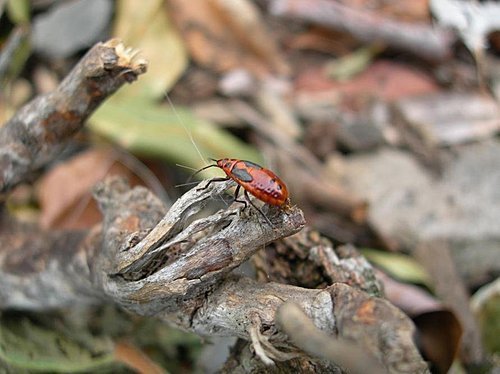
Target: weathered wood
177 270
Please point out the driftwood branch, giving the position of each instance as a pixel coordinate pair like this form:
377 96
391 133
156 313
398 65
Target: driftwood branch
158 264
175 265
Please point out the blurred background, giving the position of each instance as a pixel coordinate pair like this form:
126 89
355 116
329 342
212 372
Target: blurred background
380 115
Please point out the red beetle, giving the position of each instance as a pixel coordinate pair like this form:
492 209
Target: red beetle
260 182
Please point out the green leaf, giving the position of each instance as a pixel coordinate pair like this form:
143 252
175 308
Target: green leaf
346 67
400 266
145 26
486 306
21 51
26 345
19 11
174 135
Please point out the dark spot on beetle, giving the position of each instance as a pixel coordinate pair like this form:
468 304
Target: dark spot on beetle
252 165
241 174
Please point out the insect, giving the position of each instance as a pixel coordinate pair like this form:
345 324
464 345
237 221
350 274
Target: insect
256 180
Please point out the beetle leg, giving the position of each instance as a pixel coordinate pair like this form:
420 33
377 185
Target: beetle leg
236 193
214 180
257 208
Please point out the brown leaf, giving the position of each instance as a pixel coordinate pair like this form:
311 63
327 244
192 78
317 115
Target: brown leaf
322 40
64 192
135 358
439 334
384 80
222 36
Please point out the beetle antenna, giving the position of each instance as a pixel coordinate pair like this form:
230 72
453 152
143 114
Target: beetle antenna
186 167
199 170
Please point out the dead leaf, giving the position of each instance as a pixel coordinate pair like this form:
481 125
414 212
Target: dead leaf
322 40
136 359
385 80
64 193
146 26
223 35
439 335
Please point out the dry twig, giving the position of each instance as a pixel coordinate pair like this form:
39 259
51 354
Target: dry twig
36 133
